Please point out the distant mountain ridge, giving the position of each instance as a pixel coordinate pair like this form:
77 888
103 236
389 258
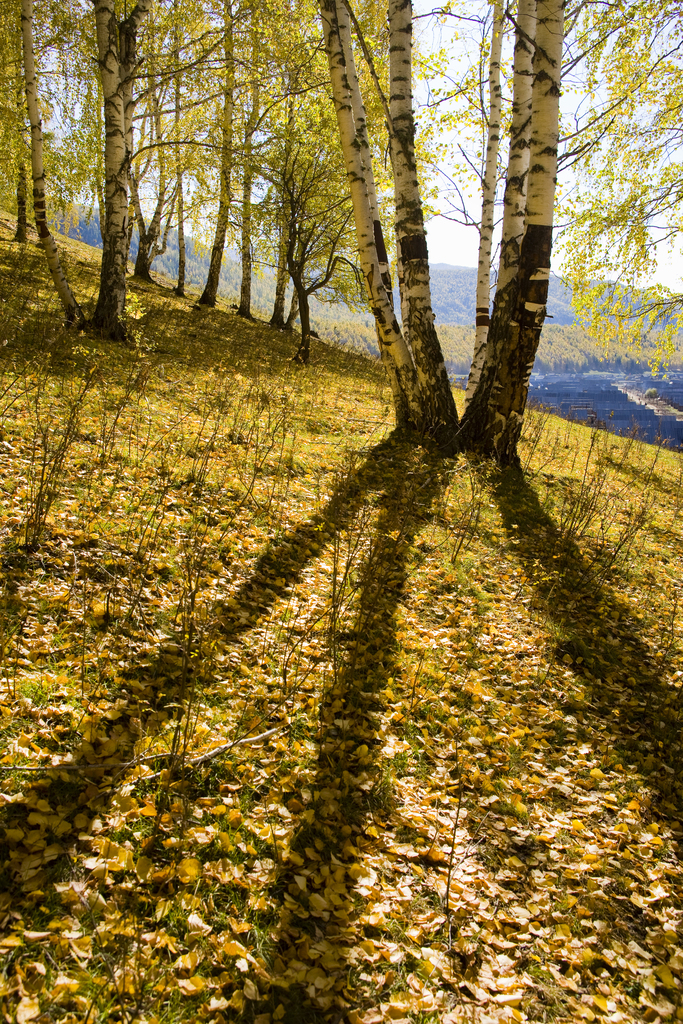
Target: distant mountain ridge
454 289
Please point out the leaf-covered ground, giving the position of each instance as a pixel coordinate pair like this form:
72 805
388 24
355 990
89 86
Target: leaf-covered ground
303 723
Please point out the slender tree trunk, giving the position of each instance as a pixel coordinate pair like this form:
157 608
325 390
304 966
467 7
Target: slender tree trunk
148 237
147 240
132 222
395 353
293 312
180 287
71 307
518 351
303 353
244 308
208 296
477 415
488 202
362 144
247 185
101 210
141 262
278 317
20 233
442 418
116 43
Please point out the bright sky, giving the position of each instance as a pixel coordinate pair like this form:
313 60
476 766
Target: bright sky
452 243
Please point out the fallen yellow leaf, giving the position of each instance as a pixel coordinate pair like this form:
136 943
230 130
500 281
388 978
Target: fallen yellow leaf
189 870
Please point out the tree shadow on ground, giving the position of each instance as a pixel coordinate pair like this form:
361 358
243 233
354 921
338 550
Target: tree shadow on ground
382 501
351 785
597 637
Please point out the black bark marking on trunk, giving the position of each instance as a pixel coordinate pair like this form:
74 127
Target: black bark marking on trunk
379 243
414 247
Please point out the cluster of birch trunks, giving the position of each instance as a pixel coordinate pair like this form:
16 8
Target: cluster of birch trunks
506 340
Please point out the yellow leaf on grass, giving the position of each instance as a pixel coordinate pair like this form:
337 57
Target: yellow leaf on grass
237 999
197 927
595 773
143 867
250 990
509 998
189 870
232 948
600 1003
188 961
665 976
317 903
28 1009
63 983
191 986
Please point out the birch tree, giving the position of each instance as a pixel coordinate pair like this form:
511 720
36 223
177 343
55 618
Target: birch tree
488 202
515 358
180 199
250 126
118 62
411 240
485 361
151 238
208 296
71 307
422 394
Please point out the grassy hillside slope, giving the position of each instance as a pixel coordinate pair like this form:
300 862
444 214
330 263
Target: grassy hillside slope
301 722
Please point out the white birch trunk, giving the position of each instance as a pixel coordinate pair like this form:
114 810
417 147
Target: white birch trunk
395 353
442 417
180 286
514 203
509 395
208 296
363 144
475 424
116 44
488 202
278 317
148 236
247 185
71 307
20 233
293 312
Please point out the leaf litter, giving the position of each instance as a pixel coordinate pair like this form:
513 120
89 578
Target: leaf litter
301 724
